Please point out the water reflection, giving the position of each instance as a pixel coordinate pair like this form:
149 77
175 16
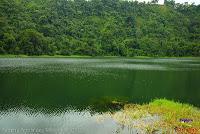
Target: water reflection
70 122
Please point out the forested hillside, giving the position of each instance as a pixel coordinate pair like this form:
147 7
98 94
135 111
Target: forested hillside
99 27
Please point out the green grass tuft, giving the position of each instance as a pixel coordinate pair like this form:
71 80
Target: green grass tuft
170 113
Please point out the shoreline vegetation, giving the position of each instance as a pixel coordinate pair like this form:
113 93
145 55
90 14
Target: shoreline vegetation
99 27
85 56
160 115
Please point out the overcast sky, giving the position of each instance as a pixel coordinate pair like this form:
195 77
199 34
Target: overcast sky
177 1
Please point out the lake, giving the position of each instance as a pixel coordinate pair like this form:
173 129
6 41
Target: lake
59 95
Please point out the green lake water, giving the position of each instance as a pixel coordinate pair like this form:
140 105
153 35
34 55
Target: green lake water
67 94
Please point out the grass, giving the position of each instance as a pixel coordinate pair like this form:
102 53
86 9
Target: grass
43 56
170 113
80 56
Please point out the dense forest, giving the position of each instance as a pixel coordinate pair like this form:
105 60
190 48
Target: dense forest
99 27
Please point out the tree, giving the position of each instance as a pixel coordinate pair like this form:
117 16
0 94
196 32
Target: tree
10 42
170 3
99 27
33 43
154 1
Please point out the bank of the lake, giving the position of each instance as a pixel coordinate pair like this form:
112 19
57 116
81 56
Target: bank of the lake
160 115
43 56
64 56
84 56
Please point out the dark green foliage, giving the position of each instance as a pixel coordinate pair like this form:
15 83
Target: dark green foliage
99 27
32 42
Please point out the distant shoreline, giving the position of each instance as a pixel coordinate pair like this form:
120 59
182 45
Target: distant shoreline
83 56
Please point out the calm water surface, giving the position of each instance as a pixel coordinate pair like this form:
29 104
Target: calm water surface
68 95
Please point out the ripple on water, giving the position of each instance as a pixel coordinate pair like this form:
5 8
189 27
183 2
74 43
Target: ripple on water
93 66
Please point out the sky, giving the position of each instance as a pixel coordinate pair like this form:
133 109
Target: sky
177 1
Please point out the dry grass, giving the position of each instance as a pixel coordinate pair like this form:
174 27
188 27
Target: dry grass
170 114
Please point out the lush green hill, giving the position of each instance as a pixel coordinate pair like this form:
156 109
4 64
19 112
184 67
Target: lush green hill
99 27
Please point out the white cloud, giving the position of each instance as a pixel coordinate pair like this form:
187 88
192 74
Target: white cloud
177 1
189 1
160 1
